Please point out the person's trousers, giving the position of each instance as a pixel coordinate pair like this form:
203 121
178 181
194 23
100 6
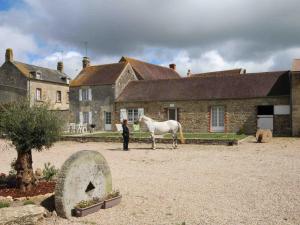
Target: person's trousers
125 142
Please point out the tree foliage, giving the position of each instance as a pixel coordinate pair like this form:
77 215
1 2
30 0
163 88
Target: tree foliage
30 127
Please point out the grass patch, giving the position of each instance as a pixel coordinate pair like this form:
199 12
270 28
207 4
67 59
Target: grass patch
213 136
28 202
217 136
4 205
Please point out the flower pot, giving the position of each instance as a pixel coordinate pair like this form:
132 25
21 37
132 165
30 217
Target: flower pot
79 212
112 202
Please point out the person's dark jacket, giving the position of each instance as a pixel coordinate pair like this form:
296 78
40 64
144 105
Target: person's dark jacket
125 131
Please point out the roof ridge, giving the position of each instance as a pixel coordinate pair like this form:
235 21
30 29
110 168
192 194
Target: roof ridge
152 64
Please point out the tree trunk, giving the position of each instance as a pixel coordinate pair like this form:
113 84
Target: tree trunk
25 175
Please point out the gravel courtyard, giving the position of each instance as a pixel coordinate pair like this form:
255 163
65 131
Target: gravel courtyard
195 184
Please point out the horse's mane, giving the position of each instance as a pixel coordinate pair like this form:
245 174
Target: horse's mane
148 118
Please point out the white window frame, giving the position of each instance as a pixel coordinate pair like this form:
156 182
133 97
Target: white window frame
218 127
85 94
133 115
85 117
38 94
107 115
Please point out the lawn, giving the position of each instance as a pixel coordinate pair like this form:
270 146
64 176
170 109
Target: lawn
227 136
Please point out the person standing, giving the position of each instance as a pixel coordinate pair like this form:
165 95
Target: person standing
125 135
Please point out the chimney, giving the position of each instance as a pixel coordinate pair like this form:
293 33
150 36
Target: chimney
189 73
172 66
85 62
9 55
60 66
296 65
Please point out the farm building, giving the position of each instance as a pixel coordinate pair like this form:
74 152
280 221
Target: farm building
39 84
219 102
94 91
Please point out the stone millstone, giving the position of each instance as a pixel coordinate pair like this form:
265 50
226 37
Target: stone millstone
84 176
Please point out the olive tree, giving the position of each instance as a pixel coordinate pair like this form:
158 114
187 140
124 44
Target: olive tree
29 128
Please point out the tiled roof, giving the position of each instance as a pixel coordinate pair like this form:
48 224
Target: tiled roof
46 74
221 73
99 75
148 71
254 85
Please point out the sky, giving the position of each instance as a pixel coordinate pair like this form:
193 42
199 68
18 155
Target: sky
200 35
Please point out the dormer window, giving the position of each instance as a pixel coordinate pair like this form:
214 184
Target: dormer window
38 75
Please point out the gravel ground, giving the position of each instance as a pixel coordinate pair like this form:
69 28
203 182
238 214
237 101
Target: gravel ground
195 184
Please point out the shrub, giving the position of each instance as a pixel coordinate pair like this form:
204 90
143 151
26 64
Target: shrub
49 171
4 204
28 202
113 194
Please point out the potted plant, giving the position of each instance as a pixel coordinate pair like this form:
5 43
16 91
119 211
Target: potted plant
113 198
84 208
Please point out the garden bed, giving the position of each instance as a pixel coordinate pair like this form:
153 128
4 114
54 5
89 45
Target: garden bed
41 188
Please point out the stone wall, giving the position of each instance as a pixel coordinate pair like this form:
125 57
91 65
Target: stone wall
240 115
102 101
295 96
49 94
13 84
126 76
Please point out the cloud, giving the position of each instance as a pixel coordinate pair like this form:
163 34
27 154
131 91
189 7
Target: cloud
13 38
204 35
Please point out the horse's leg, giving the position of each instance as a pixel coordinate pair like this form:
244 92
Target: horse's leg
153 141
173 137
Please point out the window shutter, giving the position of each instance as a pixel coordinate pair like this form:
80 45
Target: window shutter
90 94
80 94
123 115
81 117
140 112
177 113
90 118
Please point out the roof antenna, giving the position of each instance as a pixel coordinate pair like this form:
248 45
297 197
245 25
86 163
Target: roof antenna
86 47
62 55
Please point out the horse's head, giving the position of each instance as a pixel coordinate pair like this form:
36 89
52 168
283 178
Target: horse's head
141 118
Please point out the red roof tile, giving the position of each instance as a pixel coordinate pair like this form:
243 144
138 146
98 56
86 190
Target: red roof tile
148 71
99 75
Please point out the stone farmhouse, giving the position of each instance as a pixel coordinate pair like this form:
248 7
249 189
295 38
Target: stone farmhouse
94 91
39 84
222 101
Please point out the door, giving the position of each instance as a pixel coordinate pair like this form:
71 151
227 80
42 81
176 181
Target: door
172 114
265 117
107 121
217 119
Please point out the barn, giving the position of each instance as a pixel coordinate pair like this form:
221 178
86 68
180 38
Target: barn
231 101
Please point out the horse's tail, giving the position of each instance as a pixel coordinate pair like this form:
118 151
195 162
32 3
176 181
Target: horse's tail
181 133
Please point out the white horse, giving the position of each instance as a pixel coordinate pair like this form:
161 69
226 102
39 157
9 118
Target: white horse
158 128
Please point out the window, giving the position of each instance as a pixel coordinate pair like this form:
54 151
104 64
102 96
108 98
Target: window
68 97
85 117
85 94
38 94
38 75
107 117
217 118
58 96
172 114
133 115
